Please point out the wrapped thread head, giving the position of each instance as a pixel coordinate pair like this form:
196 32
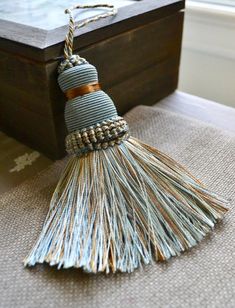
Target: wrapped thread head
89 109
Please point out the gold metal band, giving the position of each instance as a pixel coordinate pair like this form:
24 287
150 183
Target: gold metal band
82 90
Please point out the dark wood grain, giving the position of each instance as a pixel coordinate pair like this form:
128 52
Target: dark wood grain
30 128
122 57
24 83
33 85
46 45
135 16
147 87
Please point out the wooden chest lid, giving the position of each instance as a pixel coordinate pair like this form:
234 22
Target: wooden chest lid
45 42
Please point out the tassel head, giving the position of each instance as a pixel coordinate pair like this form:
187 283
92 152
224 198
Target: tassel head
94 106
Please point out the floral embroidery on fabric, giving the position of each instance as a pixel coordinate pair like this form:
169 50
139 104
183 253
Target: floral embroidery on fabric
24 160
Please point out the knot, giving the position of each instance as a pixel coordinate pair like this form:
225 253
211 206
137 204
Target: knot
72 61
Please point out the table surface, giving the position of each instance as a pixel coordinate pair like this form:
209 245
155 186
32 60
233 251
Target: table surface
19 162
201 109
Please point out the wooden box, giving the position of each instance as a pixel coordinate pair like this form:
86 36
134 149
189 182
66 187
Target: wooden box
137 55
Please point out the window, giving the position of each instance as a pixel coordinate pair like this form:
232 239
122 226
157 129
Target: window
219 2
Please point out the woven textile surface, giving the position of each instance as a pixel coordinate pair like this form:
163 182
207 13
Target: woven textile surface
202 277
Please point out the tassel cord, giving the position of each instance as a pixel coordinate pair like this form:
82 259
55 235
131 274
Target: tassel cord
68 47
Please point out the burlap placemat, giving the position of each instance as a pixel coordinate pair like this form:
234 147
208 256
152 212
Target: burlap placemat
203 277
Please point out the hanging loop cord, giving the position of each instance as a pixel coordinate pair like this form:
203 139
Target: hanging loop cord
68 47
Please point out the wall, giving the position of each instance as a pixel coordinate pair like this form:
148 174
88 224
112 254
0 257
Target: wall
208 53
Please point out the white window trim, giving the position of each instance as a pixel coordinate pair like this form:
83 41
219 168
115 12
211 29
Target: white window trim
210 29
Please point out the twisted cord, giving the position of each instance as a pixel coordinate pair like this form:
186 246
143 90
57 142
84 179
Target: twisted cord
68 48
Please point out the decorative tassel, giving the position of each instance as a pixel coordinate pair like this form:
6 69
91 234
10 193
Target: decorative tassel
119 203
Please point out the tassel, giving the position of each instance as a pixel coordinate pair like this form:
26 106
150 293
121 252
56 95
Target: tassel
119 203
